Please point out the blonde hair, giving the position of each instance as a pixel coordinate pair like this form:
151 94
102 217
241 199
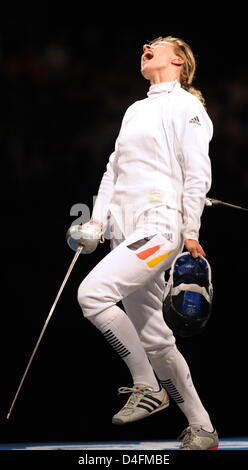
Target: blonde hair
183 50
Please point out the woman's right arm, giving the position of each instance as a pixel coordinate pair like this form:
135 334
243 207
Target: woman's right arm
105 192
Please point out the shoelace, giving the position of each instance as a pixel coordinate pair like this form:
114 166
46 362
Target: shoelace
137 394
187 435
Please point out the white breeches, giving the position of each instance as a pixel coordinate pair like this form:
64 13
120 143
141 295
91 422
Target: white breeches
134 274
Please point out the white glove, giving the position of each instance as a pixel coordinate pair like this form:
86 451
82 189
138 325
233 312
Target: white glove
88 235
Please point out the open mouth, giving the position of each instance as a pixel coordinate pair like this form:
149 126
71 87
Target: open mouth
148 56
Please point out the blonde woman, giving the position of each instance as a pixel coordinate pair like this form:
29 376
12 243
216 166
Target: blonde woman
151 198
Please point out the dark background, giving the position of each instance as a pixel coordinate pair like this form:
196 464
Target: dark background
65 83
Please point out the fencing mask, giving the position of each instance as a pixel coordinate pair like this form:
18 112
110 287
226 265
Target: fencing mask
188 295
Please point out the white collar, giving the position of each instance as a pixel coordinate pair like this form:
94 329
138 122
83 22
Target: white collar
162 88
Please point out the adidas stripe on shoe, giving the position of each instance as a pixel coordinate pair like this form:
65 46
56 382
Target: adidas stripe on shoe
142 403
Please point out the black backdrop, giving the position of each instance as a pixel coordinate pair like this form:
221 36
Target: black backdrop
65 84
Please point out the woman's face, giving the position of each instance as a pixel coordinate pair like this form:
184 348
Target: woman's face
156 57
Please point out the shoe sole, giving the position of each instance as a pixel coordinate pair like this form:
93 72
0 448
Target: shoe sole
211 448
160 408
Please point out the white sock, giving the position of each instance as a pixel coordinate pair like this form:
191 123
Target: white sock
122 335
174 375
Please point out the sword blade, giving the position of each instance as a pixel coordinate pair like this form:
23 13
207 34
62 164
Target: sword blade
80 248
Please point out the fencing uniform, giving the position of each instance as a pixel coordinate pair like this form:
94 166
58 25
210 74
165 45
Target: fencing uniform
150 200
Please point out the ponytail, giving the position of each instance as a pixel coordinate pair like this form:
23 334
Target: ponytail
194 91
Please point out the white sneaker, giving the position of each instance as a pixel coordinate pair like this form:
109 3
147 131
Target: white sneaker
196 438
143 402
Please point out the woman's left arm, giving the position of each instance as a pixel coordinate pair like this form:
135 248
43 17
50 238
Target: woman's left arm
194 131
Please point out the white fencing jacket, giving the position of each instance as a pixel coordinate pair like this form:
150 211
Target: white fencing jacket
160 160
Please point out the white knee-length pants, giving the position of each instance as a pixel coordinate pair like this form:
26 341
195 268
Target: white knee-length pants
133 272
